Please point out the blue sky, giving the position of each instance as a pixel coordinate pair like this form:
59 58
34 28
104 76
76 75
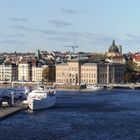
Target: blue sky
27 25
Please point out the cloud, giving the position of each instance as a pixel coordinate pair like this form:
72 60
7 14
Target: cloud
19 19
69 36
71 11
68 11
132 39
2 35
132 36
10 41
20 27
97 38
59 24
46 32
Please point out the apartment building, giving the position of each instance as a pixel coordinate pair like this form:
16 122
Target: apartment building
8 72
24 71
37 73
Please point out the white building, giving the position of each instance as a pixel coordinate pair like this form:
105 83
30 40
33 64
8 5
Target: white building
24 71
8 72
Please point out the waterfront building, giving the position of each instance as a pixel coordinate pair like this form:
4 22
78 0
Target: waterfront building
8 72
69 72
37 73
89 73
110 73
79 72
24 71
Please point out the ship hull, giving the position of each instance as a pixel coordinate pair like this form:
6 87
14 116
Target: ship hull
35 104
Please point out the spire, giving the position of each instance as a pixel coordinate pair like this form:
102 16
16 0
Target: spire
113 42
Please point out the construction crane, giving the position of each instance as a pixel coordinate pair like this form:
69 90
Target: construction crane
73 48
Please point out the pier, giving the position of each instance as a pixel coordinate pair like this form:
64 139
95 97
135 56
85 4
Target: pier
11 110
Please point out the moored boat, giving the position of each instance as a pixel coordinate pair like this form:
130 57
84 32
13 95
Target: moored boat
41 98
94 87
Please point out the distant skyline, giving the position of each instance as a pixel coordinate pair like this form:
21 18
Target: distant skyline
28 25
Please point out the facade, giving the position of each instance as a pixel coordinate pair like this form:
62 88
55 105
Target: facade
136 60
24 71
62 74
89 73
110 73
37 73
75 72
8 72
69 72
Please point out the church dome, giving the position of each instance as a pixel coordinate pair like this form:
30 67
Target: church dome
113 48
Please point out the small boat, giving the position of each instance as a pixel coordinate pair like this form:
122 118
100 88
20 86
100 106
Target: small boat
94 87
41 98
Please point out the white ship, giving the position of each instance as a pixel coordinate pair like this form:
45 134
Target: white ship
41 98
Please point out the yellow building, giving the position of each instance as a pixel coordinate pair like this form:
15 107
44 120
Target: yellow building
68 72
77 72
89 73
37 73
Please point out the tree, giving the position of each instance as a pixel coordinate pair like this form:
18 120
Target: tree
130 66
48 74
128 77
45 74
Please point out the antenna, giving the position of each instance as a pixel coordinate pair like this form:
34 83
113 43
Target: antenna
73 48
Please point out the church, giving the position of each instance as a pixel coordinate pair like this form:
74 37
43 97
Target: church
114 54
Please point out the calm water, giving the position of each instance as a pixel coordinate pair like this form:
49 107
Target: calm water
102 115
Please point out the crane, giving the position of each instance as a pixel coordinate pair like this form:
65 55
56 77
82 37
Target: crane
73 48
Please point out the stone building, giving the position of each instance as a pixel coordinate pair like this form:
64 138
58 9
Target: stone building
79 72
69 72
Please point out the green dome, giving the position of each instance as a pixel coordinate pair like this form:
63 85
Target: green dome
113 48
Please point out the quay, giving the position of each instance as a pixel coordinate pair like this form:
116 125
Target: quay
11 110
110 86
126 85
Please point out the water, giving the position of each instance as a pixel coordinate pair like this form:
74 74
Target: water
102 115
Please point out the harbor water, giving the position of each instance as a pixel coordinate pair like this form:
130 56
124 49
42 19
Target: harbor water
84 115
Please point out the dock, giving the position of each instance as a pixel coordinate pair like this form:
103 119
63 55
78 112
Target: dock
125 86
9 111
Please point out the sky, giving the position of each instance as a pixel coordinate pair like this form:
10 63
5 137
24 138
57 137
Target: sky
28 25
